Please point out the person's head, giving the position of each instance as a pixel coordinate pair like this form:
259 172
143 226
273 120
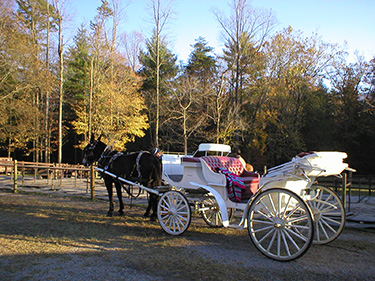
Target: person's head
157 152
237 153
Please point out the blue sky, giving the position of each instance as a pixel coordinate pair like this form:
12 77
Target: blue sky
351 21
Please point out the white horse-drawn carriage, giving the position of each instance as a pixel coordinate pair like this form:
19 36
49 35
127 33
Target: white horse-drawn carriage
283 210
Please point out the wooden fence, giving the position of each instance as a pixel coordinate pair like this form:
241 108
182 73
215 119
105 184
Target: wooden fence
49 171
351 186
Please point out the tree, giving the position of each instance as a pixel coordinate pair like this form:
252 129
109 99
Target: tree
205 67
184 107
245 27
58 5
39 18
132 47
155 86
353 121
24 35
109 102
201 63
161 15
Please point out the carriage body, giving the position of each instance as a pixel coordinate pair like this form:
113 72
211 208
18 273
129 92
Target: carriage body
193 173
277 200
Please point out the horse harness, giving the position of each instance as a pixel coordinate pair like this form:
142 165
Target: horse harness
136 167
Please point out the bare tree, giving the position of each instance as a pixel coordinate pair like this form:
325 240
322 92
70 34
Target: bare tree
184 108
132 45
58 4
245 32
161 14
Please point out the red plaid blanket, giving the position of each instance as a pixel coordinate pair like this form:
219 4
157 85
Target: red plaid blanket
235 185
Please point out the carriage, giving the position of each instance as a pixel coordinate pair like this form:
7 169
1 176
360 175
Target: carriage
283 210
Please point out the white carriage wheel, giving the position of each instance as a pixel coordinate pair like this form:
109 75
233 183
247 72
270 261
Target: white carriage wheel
211 213
174 212
329 214
280 224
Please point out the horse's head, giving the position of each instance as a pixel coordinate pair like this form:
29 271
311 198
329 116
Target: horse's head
92 151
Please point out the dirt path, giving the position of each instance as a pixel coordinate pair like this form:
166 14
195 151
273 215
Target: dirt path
66 238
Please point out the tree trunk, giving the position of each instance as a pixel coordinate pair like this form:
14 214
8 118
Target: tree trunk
61 81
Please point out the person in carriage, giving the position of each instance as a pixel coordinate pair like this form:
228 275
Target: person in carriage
248 167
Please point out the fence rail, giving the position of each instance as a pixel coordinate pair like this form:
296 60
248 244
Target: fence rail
50 171
351 187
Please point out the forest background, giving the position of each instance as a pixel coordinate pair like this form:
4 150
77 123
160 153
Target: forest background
271 94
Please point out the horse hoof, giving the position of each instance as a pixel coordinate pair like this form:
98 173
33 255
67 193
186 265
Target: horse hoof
120 213
109 214
153 218
146 216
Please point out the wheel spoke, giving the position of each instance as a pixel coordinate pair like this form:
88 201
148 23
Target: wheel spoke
278 244
292 241
328 225
268 210
264 215
286 207
304 238
272 240
325 218
262 221
267 234
166 202
293 211
297 219
283 233
317 231
321 227
272 204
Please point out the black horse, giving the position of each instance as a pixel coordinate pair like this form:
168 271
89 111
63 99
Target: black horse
141 167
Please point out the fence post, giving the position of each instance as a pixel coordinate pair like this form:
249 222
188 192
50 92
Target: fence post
369 185
92 182
344 186
15 174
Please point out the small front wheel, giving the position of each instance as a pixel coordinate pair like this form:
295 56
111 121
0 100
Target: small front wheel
211 213
280 224
174 213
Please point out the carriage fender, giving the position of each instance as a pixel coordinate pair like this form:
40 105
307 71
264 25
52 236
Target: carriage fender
220 201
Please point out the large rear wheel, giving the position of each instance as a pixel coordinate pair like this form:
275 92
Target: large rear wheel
329 214
280 224
174 212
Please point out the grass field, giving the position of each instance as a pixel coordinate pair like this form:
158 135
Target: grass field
44 237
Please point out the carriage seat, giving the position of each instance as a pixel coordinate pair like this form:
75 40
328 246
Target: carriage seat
234 165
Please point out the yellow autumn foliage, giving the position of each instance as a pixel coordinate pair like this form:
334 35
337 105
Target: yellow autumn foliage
118 109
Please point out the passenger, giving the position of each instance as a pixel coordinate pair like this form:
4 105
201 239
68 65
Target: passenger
248 167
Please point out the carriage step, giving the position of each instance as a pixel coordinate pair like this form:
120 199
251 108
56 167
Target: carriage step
236 226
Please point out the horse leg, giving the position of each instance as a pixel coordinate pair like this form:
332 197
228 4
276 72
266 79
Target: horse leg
108 185
147 213
153 204
119 196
